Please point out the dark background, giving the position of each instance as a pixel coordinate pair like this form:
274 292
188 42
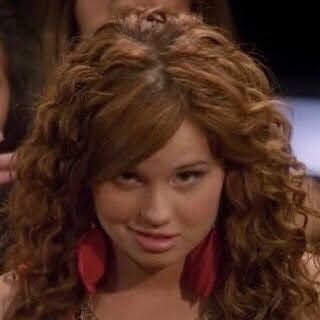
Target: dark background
285 35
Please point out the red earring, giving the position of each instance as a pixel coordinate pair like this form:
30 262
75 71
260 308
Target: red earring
92 258
201 265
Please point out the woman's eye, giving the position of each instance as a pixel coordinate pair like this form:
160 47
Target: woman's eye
189 176
127 177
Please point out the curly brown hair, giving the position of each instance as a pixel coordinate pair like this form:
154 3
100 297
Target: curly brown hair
117 99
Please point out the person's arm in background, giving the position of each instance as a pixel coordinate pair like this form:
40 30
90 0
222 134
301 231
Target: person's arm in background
5 158
4 91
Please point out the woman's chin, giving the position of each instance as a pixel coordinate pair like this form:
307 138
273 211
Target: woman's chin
152 263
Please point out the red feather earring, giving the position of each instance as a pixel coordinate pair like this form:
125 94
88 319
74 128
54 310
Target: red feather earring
92 258
201 266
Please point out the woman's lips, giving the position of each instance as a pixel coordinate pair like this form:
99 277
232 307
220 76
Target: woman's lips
155 243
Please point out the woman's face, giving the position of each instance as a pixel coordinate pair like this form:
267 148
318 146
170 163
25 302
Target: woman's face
157 212
91 14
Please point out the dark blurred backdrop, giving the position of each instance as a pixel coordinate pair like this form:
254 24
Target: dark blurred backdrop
286 34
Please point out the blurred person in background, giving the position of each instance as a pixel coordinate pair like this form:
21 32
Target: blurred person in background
67 21
20 81
20 71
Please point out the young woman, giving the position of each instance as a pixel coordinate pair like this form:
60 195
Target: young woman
158 183
31 46
36 42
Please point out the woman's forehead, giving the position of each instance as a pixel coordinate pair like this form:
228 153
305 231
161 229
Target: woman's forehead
188 145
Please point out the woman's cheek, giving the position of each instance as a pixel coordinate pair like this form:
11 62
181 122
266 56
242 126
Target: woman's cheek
115 206
202 207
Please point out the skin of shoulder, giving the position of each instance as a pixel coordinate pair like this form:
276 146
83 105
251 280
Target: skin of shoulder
7 291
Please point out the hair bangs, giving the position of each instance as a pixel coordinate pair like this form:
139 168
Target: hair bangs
142 123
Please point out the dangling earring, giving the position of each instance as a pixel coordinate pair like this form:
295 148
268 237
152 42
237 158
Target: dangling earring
92 258
201 265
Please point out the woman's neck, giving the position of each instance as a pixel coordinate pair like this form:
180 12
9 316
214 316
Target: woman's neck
160 290
125 274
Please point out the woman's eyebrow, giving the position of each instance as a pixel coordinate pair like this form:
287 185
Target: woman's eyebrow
192 164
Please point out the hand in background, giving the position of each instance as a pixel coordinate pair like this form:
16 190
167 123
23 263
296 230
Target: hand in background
7 173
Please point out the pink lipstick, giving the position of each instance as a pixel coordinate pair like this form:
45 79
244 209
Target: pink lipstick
155 243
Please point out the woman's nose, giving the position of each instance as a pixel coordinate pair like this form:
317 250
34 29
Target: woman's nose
156 209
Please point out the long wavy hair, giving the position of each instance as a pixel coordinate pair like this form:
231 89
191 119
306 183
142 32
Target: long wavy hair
117 99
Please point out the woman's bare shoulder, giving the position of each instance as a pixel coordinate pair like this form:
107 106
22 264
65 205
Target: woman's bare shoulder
7 291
